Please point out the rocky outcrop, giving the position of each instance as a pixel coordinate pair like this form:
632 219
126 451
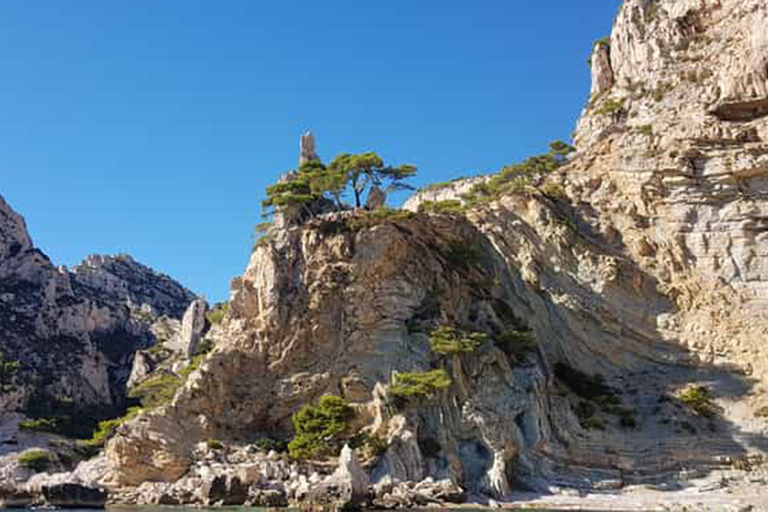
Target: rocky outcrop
604 292
75 332
602 73
192 326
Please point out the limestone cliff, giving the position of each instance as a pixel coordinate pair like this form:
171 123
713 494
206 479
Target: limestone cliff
75 332
642 260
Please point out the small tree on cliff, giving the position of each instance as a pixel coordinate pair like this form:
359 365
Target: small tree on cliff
368 170
314 182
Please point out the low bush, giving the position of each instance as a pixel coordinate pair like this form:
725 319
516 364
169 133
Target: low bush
107 428
319 429
369 219
464 254
589 387
266 444
9 370
408 386
516 343
157 391
447 207
699 400
762 412
216 314
518 177
610 107
214 444
51 425
37 460
446 341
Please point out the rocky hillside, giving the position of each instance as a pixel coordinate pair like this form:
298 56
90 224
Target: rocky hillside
595 325
70 335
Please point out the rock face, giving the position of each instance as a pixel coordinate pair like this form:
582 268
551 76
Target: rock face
192 326
649 267
75 332
307 151
602 73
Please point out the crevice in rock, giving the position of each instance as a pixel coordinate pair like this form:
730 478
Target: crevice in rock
741 111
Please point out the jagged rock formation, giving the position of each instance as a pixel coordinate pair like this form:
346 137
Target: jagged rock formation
192 326
643 260
307 151
75 332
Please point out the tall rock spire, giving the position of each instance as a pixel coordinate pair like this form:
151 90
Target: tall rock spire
307 148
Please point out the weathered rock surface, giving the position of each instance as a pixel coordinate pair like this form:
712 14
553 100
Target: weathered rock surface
75 332
650 268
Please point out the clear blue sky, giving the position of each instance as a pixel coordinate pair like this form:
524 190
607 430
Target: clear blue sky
152 127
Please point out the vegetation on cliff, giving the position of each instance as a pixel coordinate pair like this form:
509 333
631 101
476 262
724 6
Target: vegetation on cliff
347 174
319 428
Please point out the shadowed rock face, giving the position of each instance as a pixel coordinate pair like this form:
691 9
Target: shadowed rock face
75 332
650 269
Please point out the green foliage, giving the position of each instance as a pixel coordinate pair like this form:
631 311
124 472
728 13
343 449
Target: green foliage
107 428
366 220
513 178
157 391
35 459
375 445
610 107
417 385
319 428
585 386
699 400
295 194
646 130
51 425
214 444
60 415
266 445
9 370
367 170
216 314
554 190
516 343
463 254
447 207
446 341
762 412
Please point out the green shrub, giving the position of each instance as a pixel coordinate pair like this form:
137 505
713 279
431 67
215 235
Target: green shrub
9 370
516 343
518 177
216 314
447 207
368 219
51 425
646 130
214 444
589 387
452 341
593 424
762 412
319 428
417 385
610 107
266 444
699 400
35 459
157 391
554 190
107 428
464 254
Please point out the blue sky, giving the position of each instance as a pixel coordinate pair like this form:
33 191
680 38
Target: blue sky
153 127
